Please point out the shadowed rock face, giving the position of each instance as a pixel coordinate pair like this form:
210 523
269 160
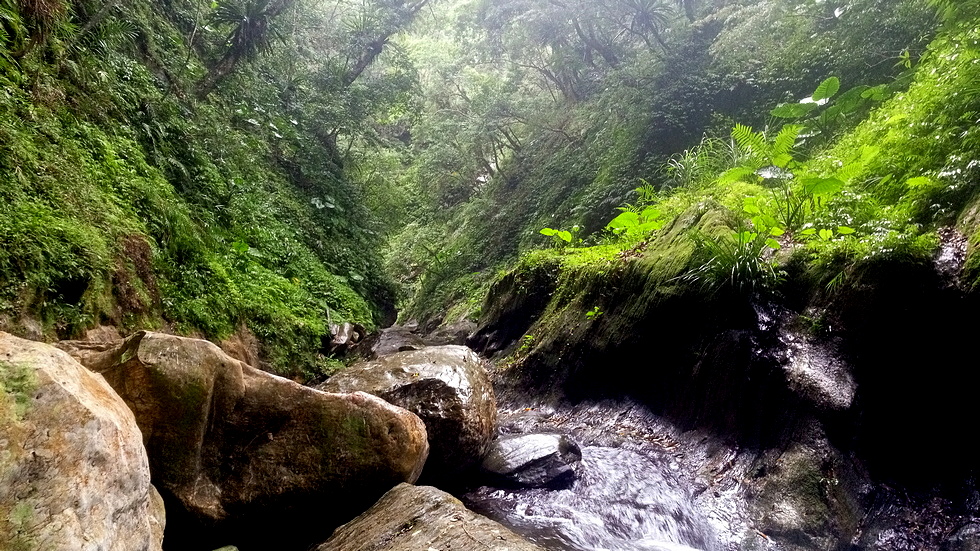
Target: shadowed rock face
257 460
73 471
413 518
448 387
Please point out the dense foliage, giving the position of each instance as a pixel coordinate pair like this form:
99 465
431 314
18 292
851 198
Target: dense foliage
549 116
282 165
179 164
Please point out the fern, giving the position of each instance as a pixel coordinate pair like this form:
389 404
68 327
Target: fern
748 139
785 140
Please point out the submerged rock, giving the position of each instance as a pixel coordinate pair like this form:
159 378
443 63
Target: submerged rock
261 461
448 387
73 470
534 460
416 518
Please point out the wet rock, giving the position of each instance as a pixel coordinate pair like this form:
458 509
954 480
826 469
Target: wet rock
534 460
967 538
899 520
816 371
73 470
414 518
805 501
259 460
455 333
448 387
392 340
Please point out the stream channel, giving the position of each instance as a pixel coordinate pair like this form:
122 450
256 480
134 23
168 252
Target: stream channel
645 484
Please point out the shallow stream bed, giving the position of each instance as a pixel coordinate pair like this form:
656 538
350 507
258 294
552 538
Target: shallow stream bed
645 485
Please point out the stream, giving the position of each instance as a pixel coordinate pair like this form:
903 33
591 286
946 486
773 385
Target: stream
646 484
637 486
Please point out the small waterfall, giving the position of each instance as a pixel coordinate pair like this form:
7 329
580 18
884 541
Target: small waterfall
621 501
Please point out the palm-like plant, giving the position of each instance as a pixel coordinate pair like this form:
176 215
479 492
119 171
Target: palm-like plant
251 34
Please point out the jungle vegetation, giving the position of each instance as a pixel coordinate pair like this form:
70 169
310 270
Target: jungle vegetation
278 166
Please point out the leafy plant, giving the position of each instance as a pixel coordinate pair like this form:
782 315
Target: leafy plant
821 115
560 238
633 226
593 313
793 192
740 260
527 343
635 222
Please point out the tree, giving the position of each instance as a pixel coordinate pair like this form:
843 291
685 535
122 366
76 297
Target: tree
251 34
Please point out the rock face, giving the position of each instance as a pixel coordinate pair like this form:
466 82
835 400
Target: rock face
534 460
967 538
73 471
448 387
413 518
807 500
258 460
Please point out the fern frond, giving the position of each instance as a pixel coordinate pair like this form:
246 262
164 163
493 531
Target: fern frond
786 139
747 138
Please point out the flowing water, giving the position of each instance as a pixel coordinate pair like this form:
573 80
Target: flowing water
622 500
638 487
645 484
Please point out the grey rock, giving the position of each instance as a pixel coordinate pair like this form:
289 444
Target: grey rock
420 518
454 333
534 460
966 538
393 340
345 336
447 387
73 471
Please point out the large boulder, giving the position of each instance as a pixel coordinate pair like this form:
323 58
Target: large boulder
391 340
413 518
74 474
448 387
454 333
257 460
533 460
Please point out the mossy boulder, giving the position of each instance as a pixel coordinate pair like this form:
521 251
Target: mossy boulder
259 460
628 323
807 499
73 470
447 387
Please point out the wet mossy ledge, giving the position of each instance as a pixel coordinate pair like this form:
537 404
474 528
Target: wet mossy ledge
602 322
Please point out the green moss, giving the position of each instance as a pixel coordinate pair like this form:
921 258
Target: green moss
17 383
18 521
